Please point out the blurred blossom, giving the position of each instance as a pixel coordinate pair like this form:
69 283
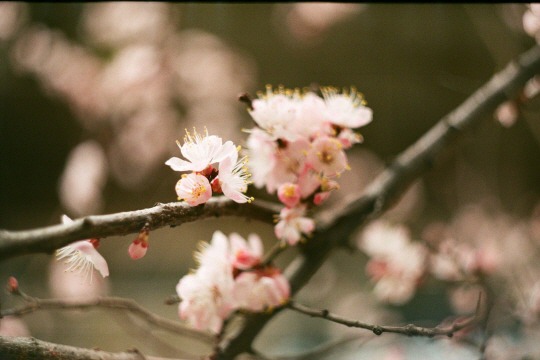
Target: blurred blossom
12 16
308 22
13 326
507 113
83 179
206 68
464 298
531 21
532 87
105 23
63 68
135 79
141 144
64 284
396 264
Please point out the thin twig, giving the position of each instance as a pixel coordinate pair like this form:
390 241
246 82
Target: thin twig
35 304
409 330
48 239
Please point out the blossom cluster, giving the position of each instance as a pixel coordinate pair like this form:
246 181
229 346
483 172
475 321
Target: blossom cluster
230 276
396 264
298 149
201 153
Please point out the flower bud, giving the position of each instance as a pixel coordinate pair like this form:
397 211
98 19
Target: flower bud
139 246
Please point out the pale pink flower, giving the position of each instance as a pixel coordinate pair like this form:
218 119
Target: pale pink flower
289 194
245 254
310 118
261 149
259 290
200 151
396 265
293 224
327 186
82 256
194 188
234 178
327 156
275 112
347 109
206 297
348 138
531 20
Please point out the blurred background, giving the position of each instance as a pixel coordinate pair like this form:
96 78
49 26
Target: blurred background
94 95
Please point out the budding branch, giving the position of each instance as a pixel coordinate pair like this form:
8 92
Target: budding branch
334 227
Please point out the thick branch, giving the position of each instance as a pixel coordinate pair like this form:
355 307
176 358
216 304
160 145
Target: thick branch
389 186
35 304
409 330
48 239
12 348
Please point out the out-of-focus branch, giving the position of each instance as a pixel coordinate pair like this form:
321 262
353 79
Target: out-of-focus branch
336 226
35 304
12 348
48 239
409 330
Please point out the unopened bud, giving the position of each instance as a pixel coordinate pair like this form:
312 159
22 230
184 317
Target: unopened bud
13 285
139 246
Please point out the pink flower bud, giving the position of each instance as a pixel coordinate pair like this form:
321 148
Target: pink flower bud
289 194
139 246
13 285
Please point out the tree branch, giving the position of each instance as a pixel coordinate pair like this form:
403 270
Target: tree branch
48 239
335 226
409 330
35 304
12 348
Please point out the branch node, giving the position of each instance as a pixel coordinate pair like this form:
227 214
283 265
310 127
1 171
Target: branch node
377 330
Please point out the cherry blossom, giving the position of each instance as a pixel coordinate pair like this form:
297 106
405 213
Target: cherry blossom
200 151
261 289
396 265
82 256
234 178
229 277
289 194
346 109
293 224
194 188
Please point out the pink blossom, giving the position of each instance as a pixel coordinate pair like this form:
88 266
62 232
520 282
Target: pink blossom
200 151
221 285
245 254
276 111
194 189
261 148
327 157
207 298
293 224
234 178
289 194
262 289
396 265
82 256
347 109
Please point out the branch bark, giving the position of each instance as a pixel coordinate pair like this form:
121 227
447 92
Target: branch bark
48 239
14 348
335 226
